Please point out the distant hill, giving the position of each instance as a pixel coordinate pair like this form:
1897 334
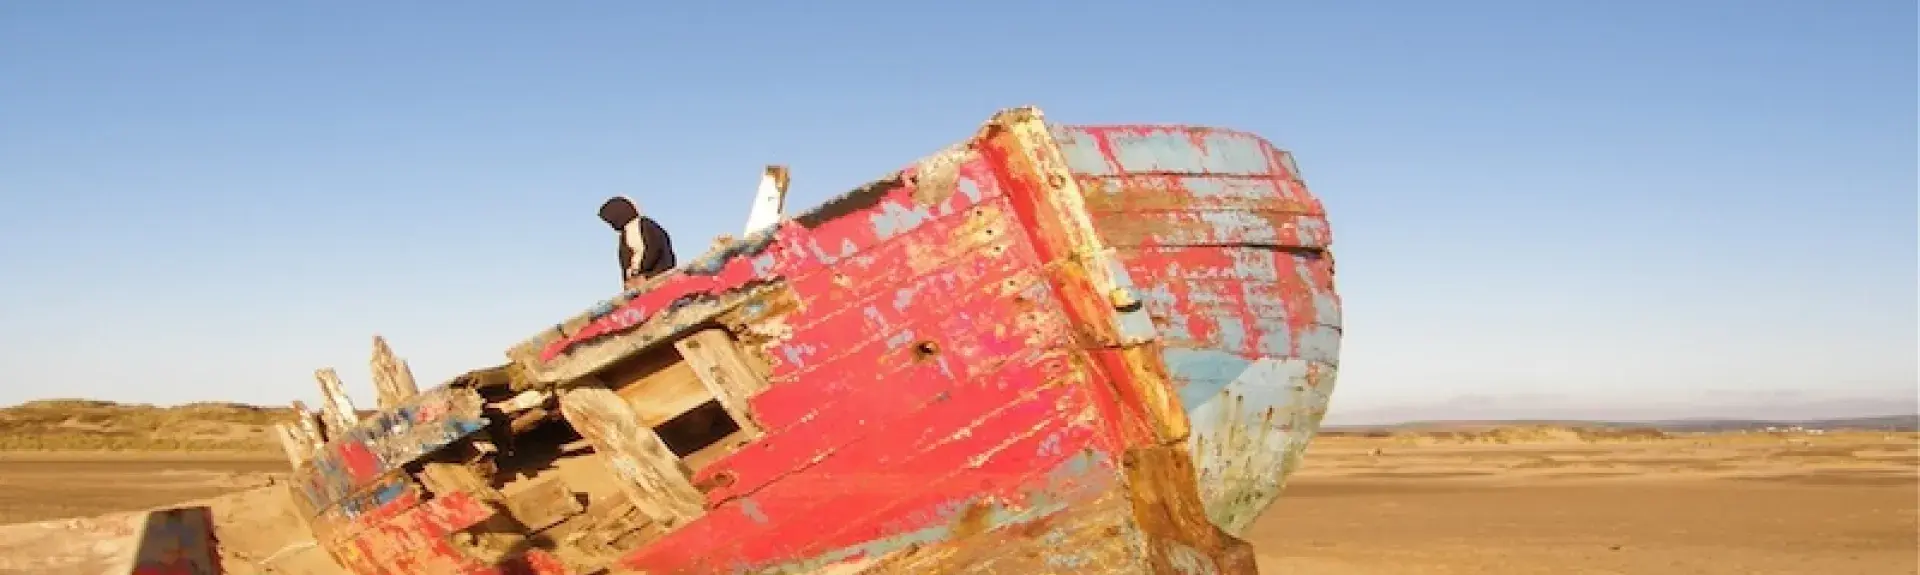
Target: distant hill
89 425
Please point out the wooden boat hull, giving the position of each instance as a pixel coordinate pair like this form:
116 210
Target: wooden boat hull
1230 254
1044 350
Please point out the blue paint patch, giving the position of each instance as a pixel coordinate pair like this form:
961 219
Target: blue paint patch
1156 151
1082 152
1252 265
904 297
1326 310
713 261
1218 188
751 509
894 219
1321 344
1172 151
1313 231
876 321
813 245
1204 372
1237 227
1249 433
762 264
970 189
796 353
899 340
1233 332
1234 154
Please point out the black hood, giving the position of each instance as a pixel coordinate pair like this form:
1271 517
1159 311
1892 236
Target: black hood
618 211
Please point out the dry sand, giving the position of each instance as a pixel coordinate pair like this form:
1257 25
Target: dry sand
1546 502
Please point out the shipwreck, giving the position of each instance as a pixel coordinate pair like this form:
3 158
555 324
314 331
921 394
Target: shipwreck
1045 349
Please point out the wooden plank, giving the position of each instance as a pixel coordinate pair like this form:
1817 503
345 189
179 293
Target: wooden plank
298 449
658 385
335 406
392 380
724 371
652 477
544 504
443 478
310 425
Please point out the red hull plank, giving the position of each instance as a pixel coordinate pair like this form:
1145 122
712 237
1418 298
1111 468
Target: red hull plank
1000 359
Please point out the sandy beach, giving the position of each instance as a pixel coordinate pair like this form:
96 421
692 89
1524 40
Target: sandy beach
1543 502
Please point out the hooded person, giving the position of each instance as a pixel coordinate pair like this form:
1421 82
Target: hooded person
645 249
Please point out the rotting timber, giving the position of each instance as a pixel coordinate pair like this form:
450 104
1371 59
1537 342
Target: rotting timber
1046 349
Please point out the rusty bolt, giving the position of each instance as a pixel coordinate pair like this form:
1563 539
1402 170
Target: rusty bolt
1056 181
1122 298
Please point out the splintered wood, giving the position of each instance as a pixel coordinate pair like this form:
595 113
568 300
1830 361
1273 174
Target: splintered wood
336 407
392 380
652 476
298 449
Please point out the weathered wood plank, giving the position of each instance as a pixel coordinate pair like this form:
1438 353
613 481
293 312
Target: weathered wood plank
335 406
724 370
442 478
544 504
653 478
392 380
298 449
310 424
658 385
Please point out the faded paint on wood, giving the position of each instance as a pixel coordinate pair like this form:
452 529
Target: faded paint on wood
1099 292
312 428
1229 250
652 476
335 406
296 446
359 464
961 375
724 371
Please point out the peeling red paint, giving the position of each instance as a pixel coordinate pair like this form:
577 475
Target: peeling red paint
957 372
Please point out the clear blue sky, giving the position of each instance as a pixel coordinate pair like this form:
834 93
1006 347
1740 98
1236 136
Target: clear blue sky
1632 206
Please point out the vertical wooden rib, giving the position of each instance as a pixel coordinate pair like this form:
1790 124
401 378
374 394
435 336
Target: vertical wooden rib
392 380
292 440
335 406
652 476
311 427
725 372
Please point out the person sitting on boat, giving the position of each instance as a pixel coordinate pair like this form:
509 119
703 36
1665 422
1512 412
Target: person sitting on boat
645 249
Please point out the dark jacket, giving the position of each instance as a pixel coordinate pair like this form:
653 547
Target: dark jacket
658 247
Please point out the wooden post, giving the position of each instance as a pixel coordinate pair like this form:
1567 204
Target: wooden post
298 449
768 201
717 360
653 477
335 406
391 378
311 427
